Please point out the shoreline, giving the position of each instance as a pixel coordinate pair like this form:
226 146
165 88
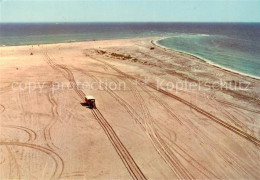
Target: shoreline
154 42
43 101
74 41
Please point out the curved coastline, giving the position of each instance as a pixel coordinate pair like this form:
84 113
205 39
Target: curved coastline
155 42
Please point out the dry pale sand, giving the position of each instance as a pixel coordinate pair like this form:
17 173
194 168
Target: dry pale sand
140 132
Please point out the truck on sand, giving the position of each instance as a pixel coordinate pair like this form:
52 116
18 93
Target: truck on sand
90 101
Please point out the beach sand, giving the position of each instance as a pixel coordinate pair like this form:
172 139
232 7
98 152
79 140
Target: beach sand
160 114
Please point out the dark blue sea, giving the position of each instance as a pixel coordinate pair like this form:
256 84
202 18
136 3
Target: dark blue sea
231 45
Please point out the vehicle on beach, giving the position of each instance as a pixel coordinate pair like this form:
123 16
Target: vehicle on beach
90 101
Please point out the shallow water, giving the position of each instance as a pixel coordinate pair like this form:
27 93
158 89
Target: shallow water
236 54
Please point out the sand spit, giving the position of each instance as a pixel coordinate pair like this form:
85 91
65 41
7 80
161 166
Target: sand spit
160 114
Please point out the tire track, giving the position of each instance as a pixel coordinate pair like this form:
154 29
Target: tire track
225 153
2 161
238 106
53 121
235 130
2 109
232 118
153 96
66 73
121 150
175 149
163 149
18 168
130 110
73 174
31 134
159 144
168 156
59 163
125 156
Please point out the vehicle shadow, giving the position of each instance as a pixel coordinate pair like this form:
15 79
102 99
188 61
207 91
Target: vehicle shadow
86 105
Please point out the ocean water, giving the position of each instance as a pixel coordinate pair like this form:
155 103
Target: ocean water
231 45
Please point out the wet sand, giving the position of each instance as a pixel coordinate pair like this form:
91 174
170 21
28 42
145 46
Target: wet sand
160 114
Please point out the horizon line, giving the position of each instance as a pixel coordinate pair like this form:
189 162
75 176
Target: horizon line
63 22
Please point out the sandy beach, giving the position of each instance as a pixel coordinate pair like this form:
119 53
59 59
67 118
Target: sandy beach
161 114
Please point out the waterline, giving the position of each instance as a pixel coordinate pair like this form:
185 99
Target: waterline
155 42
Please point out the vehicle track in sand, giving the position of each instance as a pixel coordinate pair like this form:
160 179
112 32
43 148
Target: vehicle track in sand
124 155
73 174
162 148
174 148
225 156
245 122
225 103
130 110
232 118
59 163
17 166
166 150
55 117
222 150
2 108
164 50
237 131
237 106
32 135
